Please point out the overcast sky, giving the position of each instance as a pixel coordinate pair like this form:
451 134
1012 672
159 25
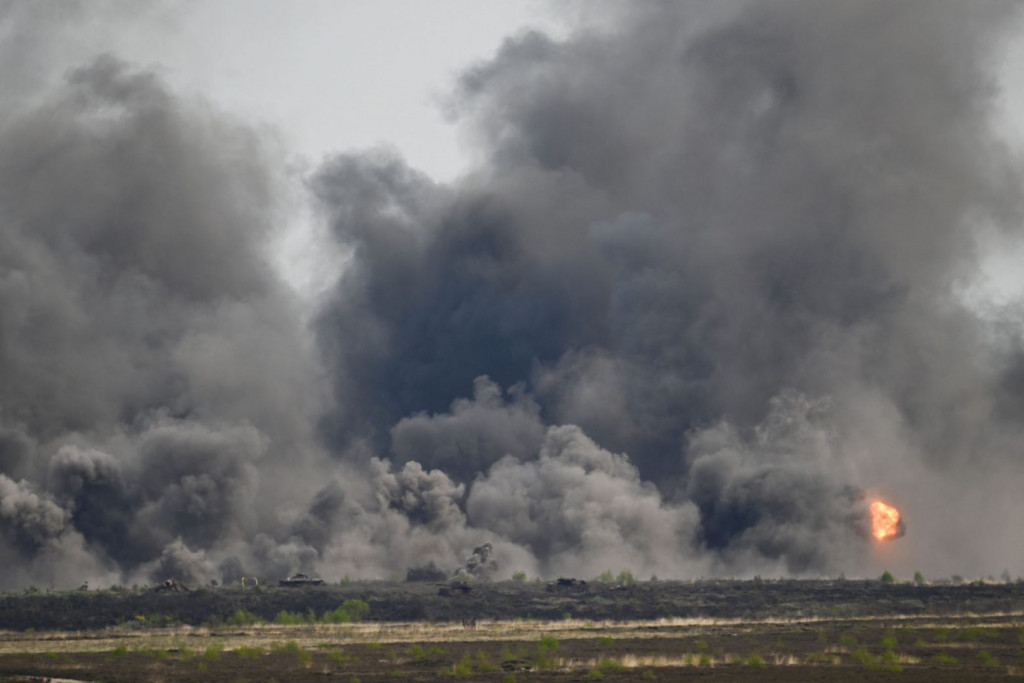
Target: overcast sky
332 75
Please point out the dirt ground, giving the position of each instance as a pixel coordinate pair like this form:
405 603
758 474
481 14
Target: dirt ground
903 649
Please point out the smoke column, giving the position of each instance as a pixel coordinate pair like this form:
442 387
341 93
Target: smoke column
701 296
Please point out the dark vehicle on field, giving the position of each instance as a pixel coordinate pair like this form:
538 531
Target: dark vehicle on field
300 580
565 585
455 588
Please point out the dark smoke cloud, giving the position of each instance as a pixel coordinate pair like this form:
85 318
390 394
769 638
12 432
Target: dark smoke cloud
698 302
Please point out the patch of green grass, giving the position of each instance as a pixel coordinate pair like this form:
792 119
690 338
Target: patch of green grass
986 658
286 618
594 675
606 641
865 658
942 659
648 675
890 662
374 645
940 634
755 661
609 664
415 651
247 652
120 651
482 662
977 634
705 659
702 645
212 652
889 641
290 646
848 640
304 658
463 667
241 617
547 643
436 651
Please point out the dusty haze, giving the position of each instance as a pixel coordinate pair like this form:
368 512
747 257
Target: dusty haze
700 299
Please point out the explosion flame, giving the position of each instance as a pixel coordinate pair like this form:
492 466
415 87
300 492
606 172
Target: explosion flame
886 523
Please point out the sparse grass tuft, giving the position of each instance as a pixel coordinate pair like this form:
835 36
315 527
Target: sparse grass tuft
942 659
755 661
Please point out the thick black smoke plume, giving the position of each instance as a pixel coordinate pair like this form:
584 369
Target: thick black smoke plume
701 298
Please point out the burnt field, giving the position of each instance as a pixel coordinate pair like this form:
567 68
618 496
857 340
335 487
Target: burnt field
409 601
954 642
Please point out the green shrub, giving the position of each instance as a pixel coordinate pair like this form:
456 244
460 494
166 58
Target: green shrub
120 650
416 651
519 577
212 652
246 652
286 618
648 675
847 640
625 578
919 578
889 641
755 661
890 662
942 659
241 617
705 659
606 576
547 643
609 664
594 675
357 609
862 656
887 577
463 667
986 658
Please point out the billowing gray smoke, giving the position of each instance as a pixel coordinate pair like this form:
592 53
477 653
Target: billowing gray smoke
700 300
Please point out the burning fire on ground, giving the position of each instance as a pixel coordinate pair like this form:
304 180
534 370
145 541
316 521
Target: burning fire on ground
886 522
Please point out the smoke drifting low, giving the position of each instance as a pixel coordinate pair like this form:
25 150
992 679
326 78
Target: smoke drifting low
699 299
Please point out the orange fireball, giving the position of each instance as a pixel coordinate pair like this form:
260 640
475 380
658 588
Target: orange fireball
885 521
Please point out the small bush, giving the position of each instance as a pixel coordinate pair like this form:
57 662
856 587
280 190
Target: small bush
212 652
755 661
986 658
463 667
595 675
862 656
609 664
416 651
648 675
547 643
241 617
606 641
705 659
120 651
606 576
919 578
847 640
625 578
887 577
889 642
942 659
286 618
519 577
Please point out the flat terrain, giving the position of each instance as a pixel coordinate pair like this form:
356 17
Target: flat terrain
820 631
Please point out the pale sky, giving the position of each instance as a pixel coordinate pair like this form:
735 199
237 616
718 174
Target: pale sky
333 75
